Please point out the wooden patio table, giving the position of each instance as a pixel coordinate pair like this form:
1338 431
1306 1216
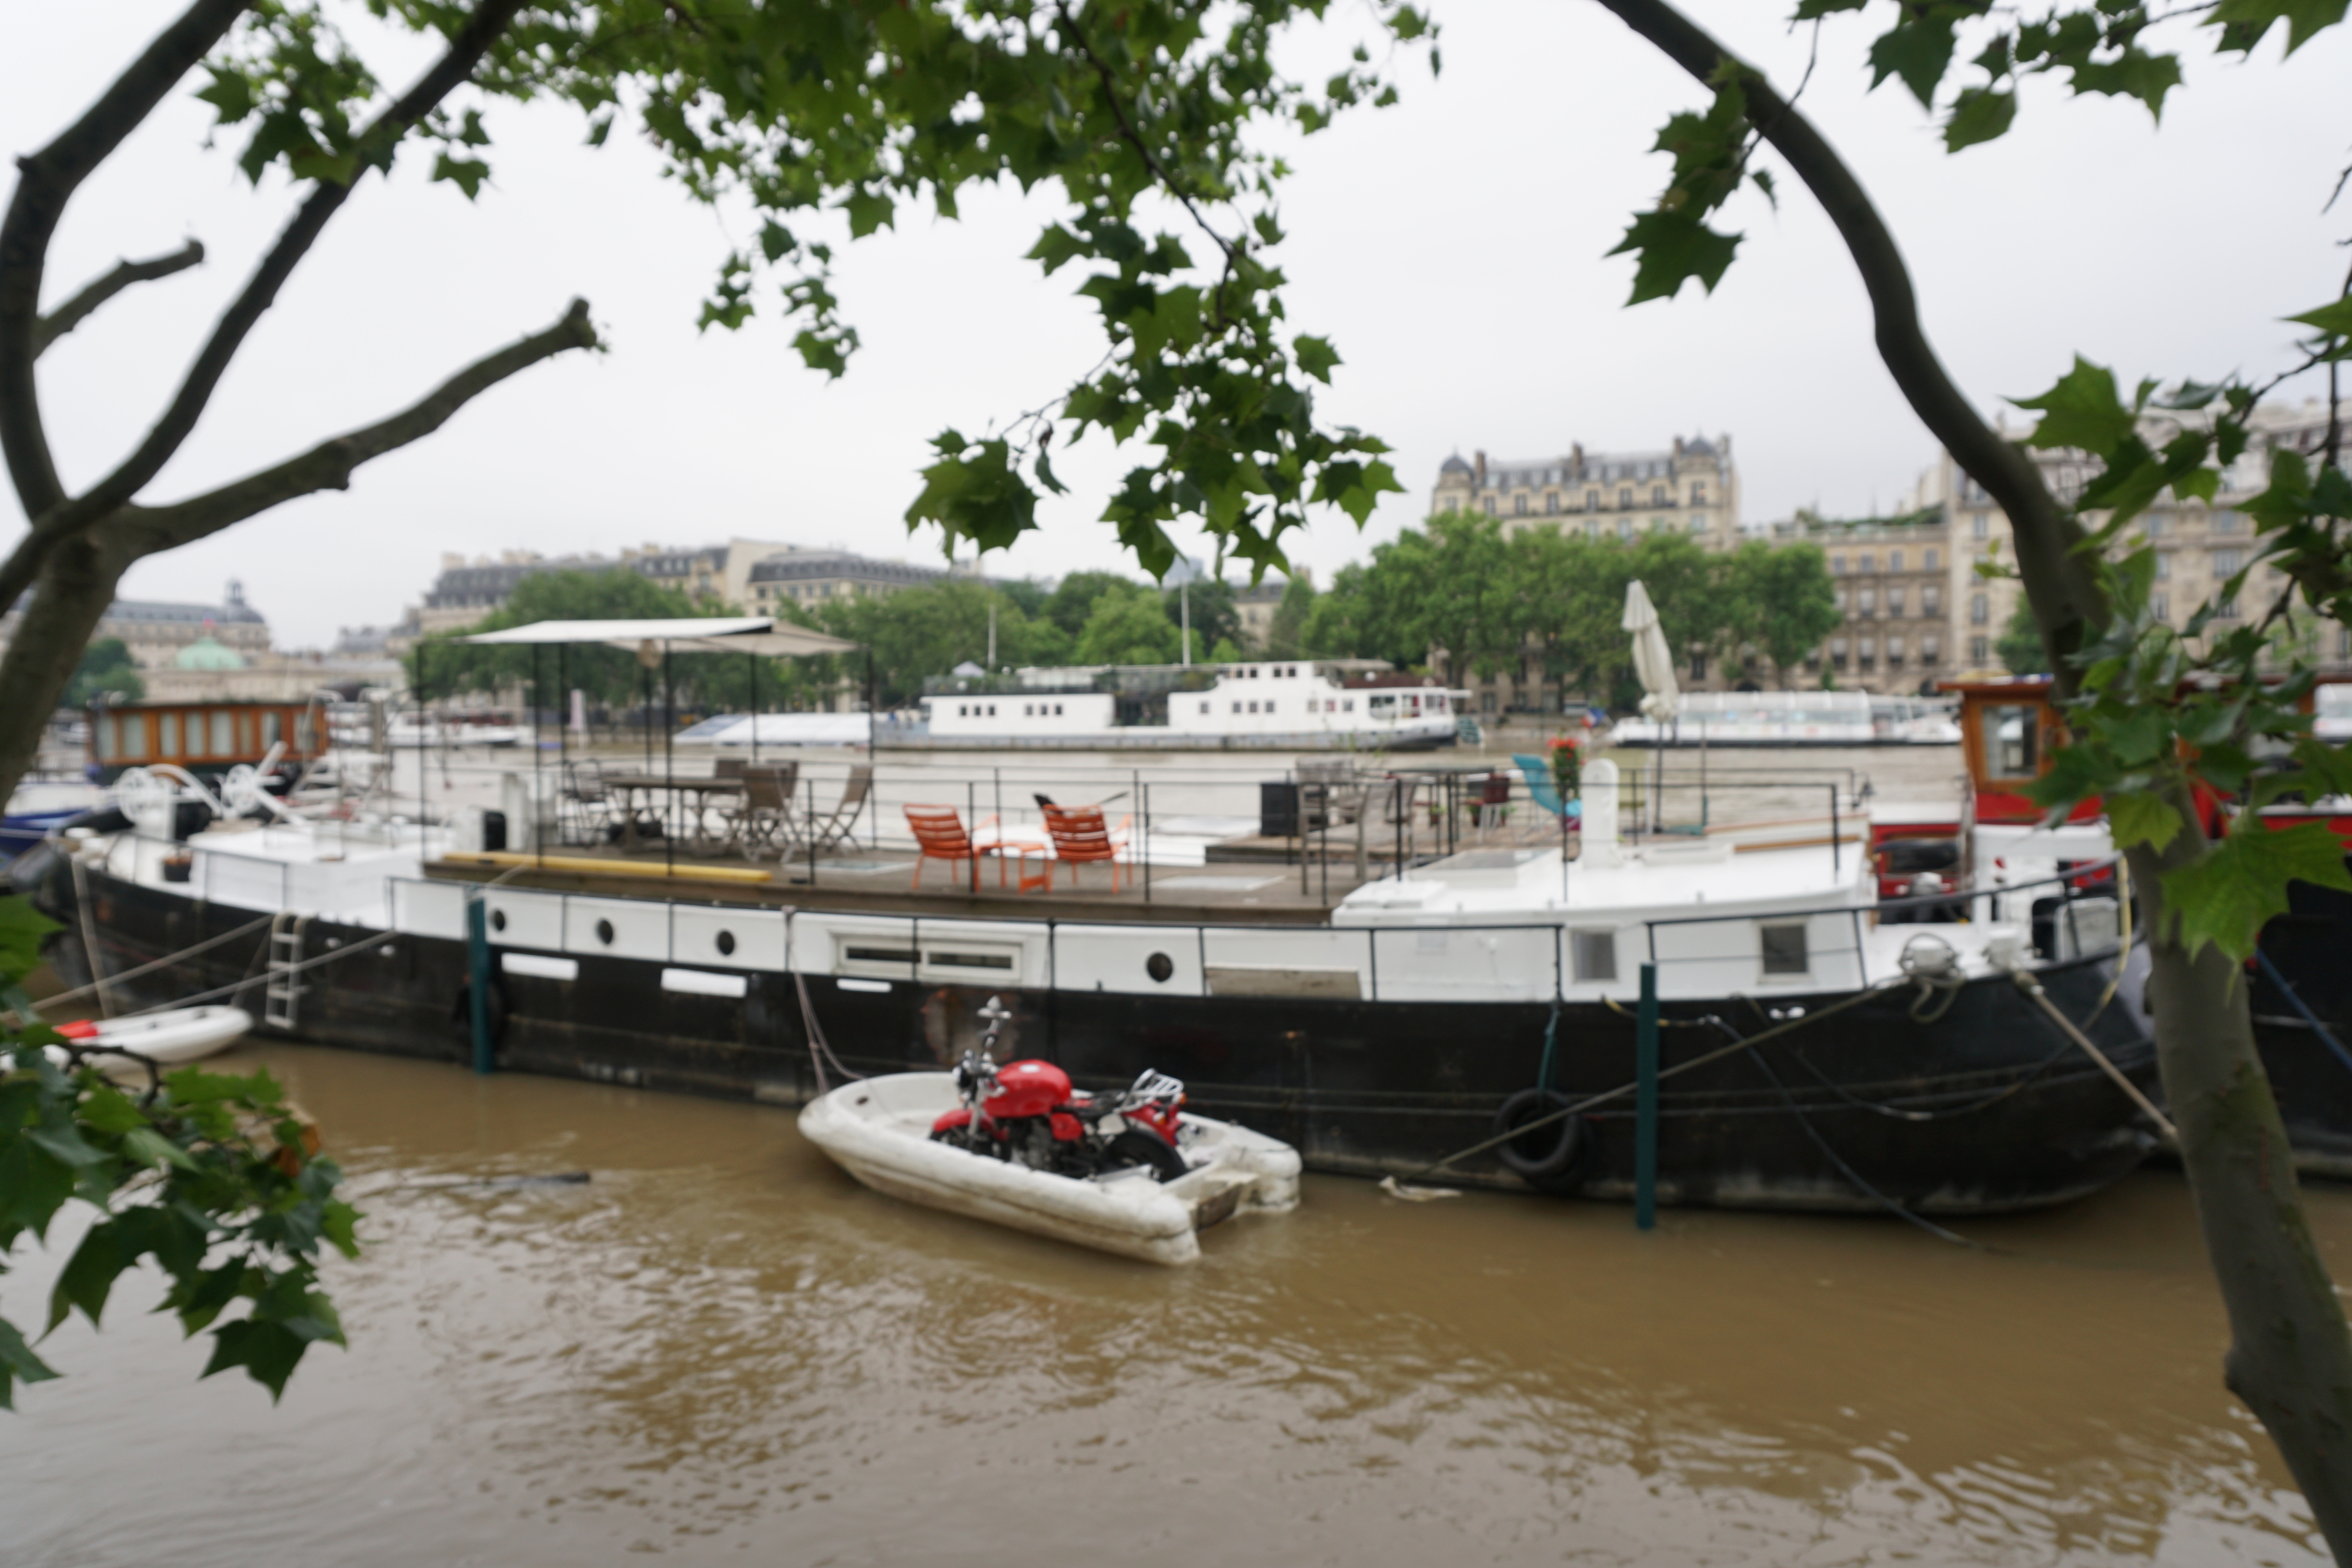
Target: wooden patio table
698 839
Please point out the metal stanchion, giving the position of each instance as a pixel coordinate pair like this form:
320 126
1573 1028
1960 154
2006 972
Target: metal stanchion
1645 1105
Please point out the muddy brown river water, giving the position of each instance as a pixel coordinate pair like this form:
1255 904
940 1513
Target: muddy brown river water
719 1350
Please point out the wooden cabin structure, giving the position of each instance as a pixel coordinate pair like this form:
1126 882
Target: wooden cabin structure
208 739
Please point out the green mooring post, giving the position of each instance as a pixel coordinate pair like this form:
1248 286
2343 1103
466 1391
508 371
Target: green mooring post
477 973
1646 1105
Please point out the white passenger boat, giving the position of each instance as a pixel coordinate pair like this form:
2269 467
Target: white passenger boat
880 1130
167 1039
1278 705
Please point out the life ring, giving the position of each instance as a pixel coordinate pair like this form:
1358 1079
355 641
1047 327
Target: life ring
1544 1157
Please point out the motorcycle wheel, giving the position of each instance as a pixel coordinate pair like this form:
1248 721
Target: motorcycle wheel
1142 1146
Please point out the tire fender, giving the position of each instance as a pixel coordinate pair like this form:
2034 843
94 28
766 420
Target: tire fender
1548 1157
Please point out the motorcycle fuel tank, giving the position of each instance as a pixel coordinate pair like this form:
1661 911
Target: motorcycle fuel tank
1027 1089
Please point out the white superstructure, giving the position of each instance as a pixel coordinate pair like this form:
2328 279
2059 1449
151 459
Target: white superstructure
1285 702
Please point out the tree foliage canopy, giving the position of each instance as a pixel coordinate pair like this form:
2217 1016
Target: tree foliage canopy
211 1178
106 669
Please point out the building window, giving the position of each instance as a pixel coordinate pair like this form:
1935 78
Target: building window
1699 493
2163 567
1657 494
2161 603
1626 496
1840 601
1929 597
1894 599
1624 527
2225 609
1867 601
1699 666
1453 502
1928 560
1592 500
1837 565
1490 506
1866 651
1979 649
1981 526
1519 505
1895 560
2227 561
1551 501
1979 611
2226 522
1698 522
2158 524
1867 563
1837 652
1930 649
1894 653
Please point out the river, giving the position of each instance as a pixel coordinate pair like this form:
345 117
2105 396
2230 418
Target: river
719 1350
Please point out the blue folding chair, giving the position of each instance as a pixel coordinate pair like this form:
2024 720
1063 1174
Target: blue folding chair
1542 790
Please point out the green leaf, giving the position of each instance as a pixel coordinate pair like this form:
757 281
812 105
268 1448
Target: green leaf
90 1274
2083 410
2139 817
2244 22
23 929
1316 357
18 1365
1918 49
1980 114
1673 247
2133 74
465 174
2227 896
2333 319
869 211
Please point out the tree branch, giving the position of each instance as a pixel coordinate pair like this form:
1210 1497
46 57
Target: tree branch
2060 582
61 518
46 180
69 315
330 465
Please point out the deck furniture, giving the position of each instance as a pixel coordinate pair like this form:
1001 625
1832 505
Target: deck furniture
585 801
1330 793
762 822
824 832
1544 791
642 800
940 834
1080 836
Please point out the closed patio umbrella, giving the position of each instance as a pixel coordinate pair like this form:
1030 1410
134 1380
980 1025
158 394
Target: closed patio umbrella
1654 665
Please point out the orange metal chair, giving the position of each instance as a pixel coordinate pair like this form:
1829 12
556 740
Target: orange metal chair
940 834
1080 836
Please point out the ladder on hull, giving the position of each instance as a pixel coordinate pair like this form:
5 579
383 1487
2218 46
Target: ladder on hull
281 995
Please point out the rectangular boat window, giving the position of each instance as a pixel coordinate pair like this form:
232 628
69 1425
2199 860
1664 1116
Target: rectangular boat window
305 740
273 728
167 734
879 955
224 732
1593 955
973 960
134 735
1784 950
101 736
2012 736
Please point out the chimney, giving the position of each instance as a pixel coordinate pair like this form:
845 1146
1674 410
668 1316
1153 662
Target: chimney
451 560
1678 446
1480 464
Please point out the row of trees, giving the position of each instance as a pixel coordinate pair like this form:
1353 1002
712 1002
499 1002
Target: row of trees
1553 603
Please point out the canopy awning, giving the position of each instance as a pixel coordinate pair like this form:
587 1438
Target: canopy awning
757 634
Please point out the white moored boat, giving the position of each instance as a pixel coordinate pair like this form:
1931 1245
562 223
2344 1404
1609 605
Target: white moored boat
878 1130
166 1039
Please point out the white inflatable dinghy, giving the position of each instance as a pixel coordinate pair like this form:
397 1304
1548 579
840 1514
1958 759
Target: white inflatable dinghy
167 1039
878 1130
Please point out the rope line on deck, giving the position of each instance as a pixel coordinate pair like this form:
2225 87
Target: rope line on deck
156 964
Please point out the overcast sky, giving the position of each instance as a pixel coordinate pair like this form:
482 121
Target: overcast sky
1452 246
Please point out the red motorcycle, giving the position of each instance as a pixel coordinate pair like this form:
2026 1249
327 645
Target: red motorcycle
1026 1112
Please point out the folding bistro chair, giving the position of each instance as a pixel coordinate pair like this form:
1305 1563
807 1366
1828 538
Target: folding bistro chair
824 833
760 823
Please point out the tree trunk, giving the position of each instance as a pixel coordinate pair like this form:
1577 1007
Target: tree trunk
76 585
2291 1353
2290 1357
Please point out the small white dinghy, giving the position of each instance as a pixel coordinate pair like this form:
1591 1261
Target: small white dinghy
880 1130
167 1039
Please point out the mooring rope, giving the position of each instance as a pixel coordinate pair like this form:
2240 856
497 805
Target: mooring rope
168 958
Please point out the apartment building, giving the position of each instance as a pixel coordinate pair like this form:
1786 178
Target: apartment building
1894 581
1692 487
156 631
